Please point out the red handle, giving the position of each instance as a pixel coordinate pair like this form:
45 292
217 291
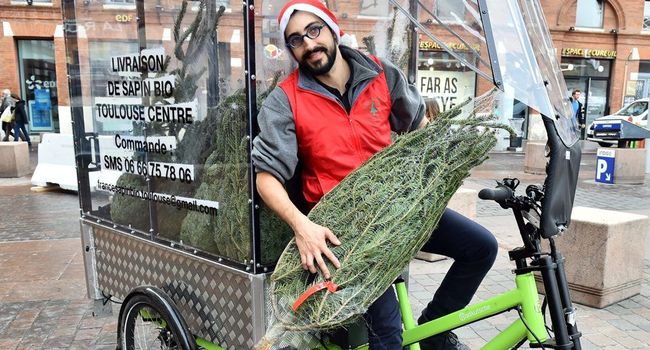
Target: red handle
331 287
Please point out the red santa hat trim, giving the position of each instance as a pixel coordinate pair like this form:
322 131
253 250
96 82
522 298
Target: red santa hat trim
312 6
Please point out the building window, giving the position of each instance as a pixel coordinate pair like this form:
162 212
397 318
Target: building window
37 71
589 14
450 10
374 8
646 16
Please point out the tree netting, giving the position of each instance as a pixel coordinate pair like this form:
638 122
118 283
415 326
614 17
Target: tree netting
383 213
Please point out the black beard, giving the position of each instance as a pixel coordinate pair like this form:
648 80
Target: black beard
331 58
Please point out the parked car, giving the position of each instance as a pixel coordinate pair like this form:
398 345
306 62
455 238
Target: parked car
636 112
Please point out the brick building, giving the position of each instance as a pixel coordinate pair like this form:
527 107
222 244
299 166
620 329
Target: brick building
603 46
604 50
33 58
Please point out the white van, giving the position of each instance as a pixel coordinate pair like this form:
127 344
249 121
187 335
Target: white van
636 112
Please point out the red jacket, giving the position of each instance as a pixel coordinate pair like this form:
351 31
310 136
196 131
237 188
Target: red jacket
331 142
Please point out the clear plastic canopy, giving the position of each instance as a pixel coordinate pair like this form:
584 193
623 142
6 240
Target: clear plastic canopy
455 27
526 61
522 60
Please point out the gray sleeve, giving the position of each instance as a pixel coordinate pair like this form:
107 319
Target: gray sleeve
275 148
408 107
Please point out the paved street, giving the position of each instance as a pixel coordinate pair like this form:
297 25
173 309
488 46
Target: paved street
42 286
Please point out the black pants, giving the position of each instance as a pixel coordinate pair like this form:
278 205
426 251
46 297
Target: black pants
473 249
7 128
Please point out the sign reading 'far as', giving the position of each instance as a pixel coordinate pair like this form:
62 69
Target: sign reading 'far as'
448 88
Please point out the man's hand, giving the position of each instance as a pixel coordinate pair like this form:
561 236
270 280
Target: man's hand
311 240
310 237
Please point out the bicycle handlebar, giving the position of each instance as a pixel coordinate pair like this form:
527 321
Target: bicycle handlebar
497 194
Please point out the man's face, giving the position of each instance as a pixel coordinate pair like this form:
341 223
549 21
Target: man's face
576 95
316 55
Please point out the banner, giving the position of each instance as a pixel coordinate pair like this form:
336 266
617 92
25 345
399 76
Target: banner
448 88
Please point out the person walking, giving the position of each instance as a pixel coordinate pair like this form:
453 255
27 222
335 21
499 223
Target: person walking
330 115
578 112
7 124
20 120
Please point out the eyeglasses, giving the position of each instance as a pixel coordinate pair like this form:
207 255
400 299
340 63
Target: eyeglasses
295 41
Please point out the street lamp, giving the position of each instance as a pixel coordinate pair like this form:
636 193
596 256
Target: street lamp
632 56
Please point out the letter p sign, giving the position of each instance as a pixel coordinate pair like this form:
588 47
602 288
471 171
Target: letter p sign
605 166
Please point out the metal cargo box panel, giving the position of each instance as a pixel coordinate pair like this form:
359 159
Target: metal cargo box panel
221 304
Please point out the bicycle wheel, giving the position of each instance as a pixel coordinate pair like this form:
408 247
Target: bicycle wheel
145 324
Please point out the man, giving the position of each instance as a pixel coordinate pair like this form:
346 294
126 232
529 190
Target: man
332 114
7 102
577 108
20 120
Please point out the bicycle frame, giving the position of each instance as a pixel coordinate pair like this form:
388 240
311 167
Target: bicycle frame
523 296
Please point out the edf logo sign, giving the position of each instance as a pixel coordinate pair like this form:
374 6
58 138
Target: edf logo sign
605 166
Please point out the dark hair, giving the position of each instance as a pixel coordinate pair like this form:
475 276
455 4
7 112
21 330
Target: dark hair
574 91
432 108
16 97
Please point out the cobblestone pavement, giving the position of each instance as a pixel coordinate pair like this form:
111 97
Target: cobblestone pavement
42 285
42 216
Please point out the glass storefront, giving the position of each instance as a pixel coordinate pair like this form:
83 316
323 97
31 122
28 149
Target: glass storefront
38 84
592 77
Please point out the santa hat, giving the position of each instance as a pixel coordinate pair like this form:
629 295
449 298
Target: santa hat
314 7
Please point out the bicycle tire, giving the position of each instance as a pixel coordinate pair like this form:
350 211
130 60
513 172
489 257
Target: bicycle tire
157 330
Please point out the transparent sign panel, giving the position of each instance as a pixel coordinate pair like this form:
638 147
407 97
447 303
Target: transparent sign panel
165 107
273 63
101 34
204 51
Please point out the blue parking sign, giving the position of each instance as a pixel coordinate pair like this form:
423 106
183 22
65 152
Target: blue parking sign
605 166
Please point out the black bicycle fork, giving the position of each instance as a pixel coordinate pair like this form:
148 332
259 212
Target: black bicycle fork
556 287
561 310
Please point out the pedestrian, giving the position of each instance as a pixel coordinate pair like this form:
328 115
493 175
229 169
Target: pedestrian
7 121
20 119
331 114
578 113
